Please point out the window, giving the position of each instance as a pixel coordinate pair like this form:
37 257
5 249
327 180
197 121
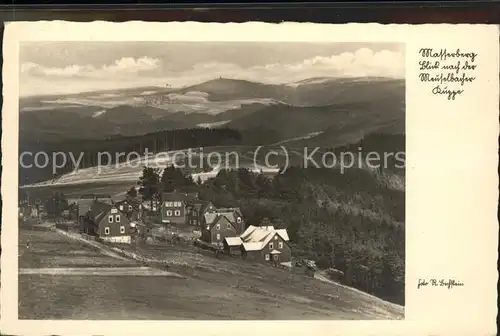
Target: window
271 246
267 257
121 207
117 218
218 236
275 257
168 204
129 208
177 204
122 229
228 226
275 237
238 220
194 221
218 226
169 212
195 213
280 245
177 212
106 230
110 219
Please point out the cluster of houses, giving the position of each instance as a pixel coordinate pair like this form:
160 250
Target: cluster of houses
223 229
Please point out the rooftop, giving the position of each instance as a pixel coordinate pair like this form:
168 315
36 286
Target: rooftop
256 237
233 241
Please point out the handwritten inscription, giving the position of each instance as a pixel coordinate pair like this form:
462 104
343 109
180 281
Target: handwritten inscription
448 71
450 283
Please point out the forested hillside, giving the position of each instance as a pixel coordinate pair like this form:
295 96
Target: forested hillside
154 143
352 221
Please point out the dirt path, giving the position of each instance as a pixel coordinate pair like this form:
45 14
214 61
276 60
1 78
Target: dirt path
104 250
99 271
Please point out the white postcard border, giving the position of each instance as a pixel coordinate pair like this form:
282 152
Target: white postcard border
452 177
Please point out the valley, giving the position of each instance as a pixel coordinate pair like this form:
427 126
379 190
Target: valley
239 104
320 112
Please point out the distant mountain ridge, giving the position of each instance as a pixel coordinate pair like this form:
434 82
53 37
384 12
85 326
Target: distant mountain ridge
286 110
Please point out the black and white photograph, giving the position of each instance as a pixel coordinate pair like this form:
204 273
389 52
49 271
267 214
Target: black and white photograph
205 180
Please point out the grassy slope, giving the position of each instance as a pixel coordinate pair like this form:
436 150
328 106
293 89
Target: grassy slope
213 289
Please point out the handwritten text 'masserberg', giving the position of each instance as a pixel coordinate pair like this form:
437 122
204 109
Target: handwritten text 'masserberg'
457 72
444 54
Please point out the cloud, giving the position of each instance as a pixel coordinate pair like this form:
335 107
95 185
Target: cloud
364 62
146 71
125 65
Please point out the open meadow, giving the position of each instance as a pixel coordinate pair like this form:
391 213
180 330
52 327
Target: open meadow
192 285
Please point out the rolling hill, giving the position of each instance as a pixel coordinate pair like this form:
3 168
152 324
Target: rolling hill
310 92
286 110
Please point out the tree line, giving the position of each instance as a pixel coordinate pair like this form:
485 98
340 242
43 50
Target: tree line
88 150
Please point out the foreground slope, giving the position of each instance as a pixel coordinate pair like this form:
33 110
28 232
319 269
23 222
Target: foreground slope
209 289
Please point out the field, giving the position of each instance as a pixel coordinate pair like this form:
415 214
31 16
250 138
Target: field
195 285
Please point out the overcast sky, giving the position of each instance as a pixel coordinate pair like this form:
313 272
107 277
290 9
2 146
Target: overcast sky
71 67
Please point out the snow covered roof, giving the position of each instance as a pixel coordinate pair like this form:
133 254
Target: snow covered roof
275 252
256 234
252 246
233 241
255 238
284 234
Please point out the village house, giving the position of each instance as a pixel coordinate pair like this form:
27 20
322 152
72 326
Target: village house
264 244
130 207
236 216
108 223
197 210
218 226
174 207
84 204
